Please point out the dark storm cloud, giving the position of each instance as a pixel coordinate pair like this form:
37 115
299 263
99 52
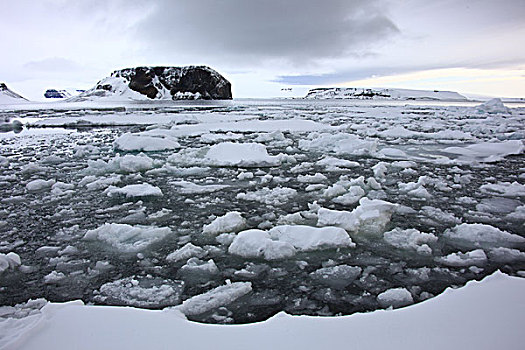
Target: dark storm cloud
292 30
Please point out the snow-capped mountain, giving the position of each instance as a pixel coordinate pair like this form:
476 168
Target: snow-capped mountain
160 83
383 94
8 96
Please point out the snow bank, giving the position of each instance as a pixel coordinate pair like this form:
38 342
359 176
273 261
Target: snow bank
138 142
127 238
482 315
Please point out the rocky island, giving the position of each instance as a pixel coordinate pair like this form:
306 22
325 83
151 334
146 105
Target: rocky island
161 83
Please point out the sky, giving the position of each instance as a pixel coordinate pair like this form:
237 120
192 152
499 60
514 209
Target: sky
266 47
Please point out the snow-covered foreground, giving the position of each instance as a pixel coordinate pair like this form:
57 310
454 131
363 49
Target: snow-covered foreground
235 212
482 315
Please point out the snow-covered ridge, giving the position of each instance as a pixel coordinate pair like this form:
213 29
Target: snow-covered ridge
160 83
481 315
383 94
9 96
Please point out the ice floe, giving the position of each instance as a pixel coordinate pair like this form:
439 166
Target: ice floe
127 238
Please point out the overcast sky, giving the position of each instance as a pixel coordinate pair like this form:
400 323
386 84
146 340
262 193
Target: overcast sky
266 45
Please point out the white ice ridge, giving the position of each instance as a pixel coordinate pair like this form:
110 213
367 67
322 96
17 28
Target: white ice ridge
220 296
284 241
488 314
371 216
127 238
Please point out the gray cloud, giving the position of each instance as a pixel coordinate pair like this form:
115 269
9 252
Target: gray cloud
53 64
293 30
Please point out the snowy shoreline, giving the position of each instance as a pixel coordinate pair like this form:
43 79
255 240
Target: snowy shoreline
482 315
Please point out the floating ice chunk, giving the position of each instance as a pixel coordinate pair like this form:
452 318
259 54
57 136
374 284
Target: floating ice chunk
4 161
230 222
395 297
317 178
194 266
331 162
487 151
354 194
410 239
334 190
505 189
392 153
337 277
506 255
371 216
258 244
517 215
241 154
62 189
127 238
142 292
474 257
54 277
39 185
481 236
274 196
93 183
139 142
137 190
215 298
398 132
340 143
9 261
305 238
493 106
440 216
187 187
128 164
186 252
248 175
379 170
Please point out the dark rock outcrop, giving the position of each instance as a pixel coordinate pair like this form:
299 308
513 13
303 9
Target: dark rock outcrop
52 93
174 83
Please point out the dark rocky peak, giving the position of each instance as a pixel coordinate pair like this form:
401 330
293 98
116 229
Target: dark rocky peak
191 82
